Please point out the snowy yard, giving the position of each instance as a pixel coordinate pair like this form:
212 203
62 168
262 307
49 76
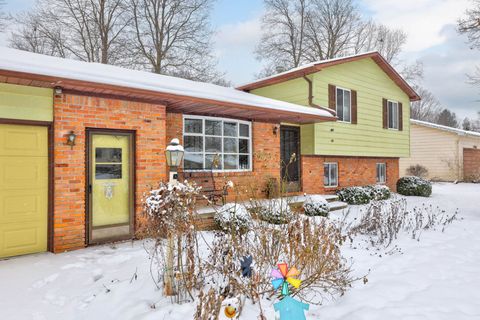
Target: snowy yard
434 278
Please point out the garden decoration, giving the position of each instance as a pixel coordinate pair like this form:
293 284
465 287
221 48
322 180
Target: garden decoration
289 308
246 266
230 311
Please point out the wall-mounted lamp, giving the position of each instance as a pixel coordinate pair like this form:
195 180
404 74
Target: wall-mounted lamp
174 154
58 90
71 139
275 130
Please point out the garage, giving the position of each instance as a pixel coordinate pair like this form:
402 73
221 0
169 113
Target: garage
23 189
471 164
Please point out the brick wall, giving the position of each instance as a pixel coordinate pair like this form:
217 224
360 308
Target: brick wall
76 113
352 171
471 164
266 158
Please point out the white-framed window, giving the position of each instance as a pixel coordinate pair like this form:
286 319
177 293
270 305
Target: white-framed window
381 173
330 174
344 104
392 114
217 143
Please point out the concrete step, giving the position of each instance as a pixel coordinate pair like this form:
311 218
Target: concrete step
337 205
330 197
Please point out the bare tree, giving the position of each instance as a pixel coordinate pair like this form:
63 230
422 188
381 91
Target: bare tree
469 24
447 118
282 42
428 109
88 30
174 37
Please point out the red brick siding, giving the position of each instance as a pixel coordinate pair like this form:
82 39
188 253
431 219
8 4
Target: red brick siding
266 157
76 113
352 171
471 164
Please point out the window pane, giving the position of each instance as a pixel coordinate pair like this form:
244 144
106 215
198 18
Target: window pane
390 115
193 143
346 106
194 125
230 129
230 145
213 144
108 171
213 128
108 155
230 162
395 116
244 162
244 130
193 161
243 145
213 161
333 175
340 104
326 172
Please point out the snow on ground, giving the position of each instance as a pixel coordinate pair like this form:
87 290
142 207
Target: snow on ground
435 278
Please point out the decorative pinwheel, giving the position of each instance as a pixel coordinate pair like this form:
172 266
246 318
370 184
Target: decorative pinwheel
282 277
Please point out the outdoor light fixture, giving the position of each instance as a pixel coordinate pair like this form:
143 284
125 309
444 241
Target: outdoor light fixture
58 90
275 129
174 155
71 139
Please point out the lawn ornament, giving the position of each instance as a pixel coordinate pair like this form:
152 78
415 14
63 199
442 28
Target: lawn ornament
282 277
291 309
230 311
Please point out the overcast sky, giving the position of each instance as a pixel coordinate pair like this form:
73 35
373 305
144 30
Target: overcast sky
430 25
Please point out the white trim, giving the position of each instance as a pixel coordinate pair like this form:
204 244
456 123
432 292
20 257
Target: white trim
330 163
459 132
221 153
336 106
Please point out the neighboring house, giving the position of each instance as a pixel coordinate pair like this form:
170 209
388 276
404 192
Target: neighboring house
449 154
371 101
57 196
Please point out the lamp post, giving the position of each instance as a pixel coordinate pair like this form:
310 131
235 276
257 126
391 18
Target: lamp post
174 154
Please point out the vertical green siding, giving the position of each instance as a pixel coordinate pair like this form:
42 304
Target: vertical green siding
26 103
367 137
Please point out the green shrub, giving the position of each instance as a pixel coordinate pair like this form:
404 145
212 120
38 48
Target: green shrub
275 211
233 217
355 195
316 206
414 186
379 192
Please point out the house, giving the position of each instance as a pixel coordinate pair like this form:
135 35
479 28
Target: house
80 144
449 154
371 101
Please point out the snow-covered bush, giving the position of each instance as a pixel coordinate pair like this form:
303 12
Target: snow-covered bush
233 217
355 195
414 186
316 205
379 192
276 211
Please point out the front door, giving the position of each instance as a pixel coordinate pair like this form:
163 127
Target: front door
289 145
110 186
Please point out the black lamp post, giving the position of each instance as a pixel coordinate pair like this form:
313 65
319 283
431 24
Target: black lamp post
174 154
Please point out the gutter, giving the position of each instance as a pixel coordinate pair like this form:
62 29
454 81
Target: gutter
310 98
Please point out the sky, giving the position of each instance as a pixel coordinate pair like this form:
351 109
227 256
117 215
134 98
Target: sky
430 26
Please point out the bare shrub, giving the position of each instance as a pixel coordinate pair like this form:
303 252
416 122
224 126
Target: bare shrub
417 171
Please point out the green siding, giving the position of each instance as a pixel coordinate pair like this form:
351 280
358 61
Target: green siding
26 103
367 137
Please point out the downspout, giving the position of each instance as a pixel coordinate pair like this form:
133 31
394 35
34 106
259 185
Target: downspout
310 98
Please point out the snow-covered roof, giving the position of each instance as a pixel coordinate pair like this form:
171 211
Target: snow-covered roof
318 65
460 132
37 64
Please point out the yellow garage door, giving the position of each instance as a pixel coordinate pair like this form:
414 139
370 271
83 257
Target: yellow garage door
23 189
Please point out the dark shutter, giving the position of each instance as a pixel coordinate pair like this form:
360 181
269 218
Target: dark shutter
400 116
385 114
354 106
332 97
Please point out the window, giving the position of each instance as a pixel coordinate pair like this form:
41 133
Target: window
392 115
330 174
344 105
218 144
108 163
381 172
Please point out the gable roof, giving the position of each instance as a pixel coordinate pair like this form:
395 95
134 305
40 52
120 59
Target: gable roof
179 95
319 65
459 132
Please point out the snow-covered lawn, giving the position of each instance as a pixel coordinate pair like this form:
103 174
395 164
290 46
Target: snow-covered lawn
435 278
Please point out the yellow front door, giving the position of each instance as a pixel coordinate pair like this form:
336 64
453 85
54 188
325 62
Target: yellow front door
23 189
110 186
